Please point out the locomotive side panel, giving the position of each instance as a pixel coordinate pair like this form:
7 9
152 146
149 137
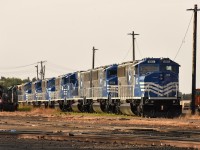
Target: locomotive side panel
126 80
95 83
85 84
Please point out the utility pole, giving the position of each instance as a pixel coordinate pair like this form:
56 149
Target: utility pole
93 58
133 36
93 61
194 59
42 70
37 71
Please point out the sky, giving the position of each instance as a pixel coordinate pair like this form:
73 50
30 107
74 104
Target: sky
63 32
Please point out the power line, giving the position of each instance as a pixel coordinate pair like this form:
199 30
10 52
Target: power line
59 66
127 53
183 41
98 60
15 71
7 68
54 69
138 49
20 73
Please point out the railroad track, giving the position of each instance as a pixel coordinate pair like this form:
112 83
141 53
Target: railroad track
135 136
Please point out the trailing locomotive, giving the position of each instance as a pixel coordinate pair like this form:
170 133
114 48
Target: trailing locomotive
8 98
147 87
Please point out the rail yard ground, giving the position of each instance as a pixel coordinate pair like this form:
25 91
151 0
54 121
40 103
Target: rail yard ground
52 129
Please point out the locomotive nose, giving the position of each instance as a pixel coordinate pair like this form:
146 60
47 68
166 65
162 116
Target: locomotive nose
161 77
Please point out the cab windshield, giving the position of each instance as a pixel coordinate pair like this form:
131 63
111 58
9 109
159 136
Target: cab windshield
112 73
148 69
38 85
27 87
51 83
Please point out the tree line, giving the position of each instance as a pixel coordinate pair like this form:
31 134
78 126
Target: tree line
8 82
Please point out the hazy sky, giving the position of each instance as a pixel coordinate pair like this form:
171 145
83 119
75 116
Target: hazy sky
63 32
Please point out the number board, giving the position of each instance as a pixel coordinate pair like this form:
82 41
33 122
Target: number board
151 61
166 61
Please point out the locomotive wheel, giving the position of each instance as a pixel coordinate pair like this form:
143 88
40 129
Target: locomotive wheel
46 104
117 110
61 105
107 107
139 110
152 114
77 107
52 105
169 114
39 104
90 108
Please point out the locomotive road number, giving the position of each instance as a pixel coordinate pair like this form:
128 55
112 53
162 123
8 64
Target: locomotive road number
151 61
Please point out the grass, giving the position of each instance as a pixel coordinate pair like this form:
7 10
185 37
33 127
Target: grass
57 112
25 108
96 114
189 116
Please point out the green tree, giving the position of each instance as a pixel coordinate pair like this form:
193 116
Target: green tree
7 82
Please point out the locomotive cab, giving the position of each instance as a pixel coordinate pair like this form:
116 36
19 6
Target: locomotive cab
40 90
69 86
69 90
157 84
27 91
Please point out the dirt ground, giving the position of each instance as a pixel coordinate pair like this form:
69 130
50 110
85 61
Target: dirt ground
52 129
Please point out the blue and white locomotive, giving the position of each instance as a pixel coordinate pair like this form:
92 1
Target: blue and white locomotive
155 84
147 87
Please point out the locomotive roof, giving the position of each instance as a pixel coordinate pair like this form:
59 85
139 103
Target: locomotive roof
37 81
145 60
68 75
99 68
128 63
27 83
158 61
51 78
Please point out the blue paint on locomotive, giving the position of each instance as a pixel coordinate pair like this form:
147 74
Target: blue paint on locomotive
51 84
27 90
38 86
111 79
156 77
51 87
69 85
63 90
